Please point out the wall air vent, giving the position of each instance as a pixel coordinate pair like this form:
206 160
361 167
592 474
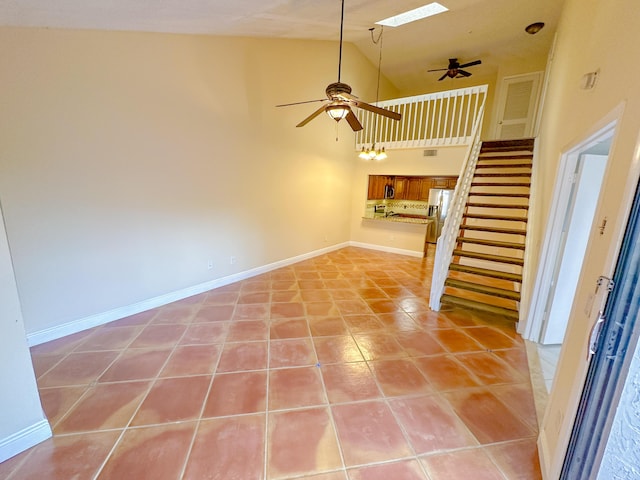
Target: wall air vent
430 153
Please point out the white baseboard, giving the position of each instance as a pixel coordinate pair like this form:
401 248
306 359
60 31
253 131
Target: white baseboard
383 248
24 439
75 326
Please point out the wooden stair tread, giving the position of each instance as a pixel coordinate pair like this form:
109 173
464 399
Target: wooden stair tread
481 164
502 175
479 288
500 184
509 231
516 144
514 156
471 304
489 257
485 272
497 205
495 217
494 194
490 243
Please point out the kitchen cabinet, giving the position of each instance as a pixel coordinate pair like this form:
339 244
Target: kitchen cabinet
407 187
377 184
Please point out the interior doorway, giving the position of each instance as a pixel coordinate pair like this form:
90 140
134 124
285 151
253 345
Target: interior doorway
517 106
568 230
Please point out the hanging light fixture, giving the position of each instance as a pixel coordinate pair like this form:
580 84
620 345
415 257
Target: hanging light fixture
374 153
337 111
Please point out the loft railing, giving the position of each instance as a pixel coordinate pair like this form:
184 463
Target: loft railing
447 241
433 119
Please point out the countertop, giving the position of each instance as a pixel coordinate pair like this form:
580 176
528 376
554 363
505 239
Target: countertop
401 218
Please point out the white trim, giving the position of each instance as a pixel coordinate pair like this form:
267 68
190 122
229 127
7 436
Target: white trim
384 248
91 321
24 439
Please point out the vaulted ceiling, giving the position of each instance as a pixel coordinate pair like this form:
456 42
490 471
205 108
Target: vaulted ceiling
491 30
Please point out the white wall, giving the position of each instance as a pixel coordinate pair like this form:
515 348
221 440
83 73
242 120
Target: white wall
22 421
128 161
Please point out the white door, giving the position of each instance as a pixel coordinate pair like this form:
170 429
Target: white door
517 106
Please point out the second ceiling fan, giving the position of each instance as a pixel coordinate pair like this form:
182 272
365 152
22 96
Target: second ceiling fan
339 101
454 70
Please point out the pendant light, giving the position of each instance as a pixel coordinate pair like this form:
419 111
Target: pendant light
374 153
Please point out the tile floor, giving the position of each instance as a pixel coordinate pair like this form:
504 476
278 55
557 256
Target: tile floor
332 368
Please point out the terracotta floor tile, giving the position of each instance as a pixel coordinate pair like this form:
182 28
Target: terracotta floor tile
366 323
173 400
345 294
295 352
431 424
62 345
154 453
288 456
444 372
353 307
399 322
460 317
490 338
238 443
192 300
286 296
379 346
349 382
158 336
237 393
247 331
399 377
383 306
66 457
405 470
315 296
372 293
44 362
518 460
287 310
189 360
104 406
419 343
341 475
281 329
328 326
251 312
464 464
281 285
243 356
368 433
220 298
253 285
486 417
57 401
515 358
78 369
136 364
215 313
205 333
311 284
431 320
337 349
254 298
175 314
489 369
321 309
109 339
456 341
520 399
295 387
414 304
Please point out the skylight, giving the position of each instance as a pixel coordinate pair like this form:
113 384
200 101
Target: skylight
413 15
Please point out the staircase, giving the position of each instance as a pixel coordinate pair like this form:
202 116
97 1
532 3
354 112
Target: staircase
486 268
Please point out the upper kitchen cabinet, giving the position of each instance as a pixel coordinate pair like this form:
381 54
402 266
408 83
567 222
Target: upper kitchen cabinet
404 187
378 185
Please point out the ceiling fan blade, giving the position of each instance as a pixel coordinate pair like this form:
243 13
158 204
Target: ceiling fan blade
353 121
300 103
471 64
463 73
372 108
438 70
444 76
312 116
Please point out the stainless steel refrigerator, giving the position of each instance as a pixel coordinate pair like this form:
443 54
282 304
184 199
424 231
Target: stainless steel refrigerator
439 201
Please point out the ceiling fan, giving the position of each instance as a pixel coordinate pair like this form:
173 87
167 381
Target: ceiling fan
339 101
454 70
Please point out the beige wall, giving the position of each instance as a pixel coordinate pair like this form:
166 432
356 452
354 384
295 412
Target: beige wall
593 34
128 161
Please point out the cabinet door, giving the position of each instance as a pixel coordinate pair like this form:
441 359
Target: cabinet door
452 182
371 191
414 185
400 186
425 186
439 182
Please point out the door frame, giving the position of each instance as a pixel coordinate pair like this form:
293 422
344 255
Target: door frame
534 327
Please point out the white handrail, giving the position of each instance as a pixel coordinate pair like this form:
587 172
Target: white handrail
447 241
433 119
